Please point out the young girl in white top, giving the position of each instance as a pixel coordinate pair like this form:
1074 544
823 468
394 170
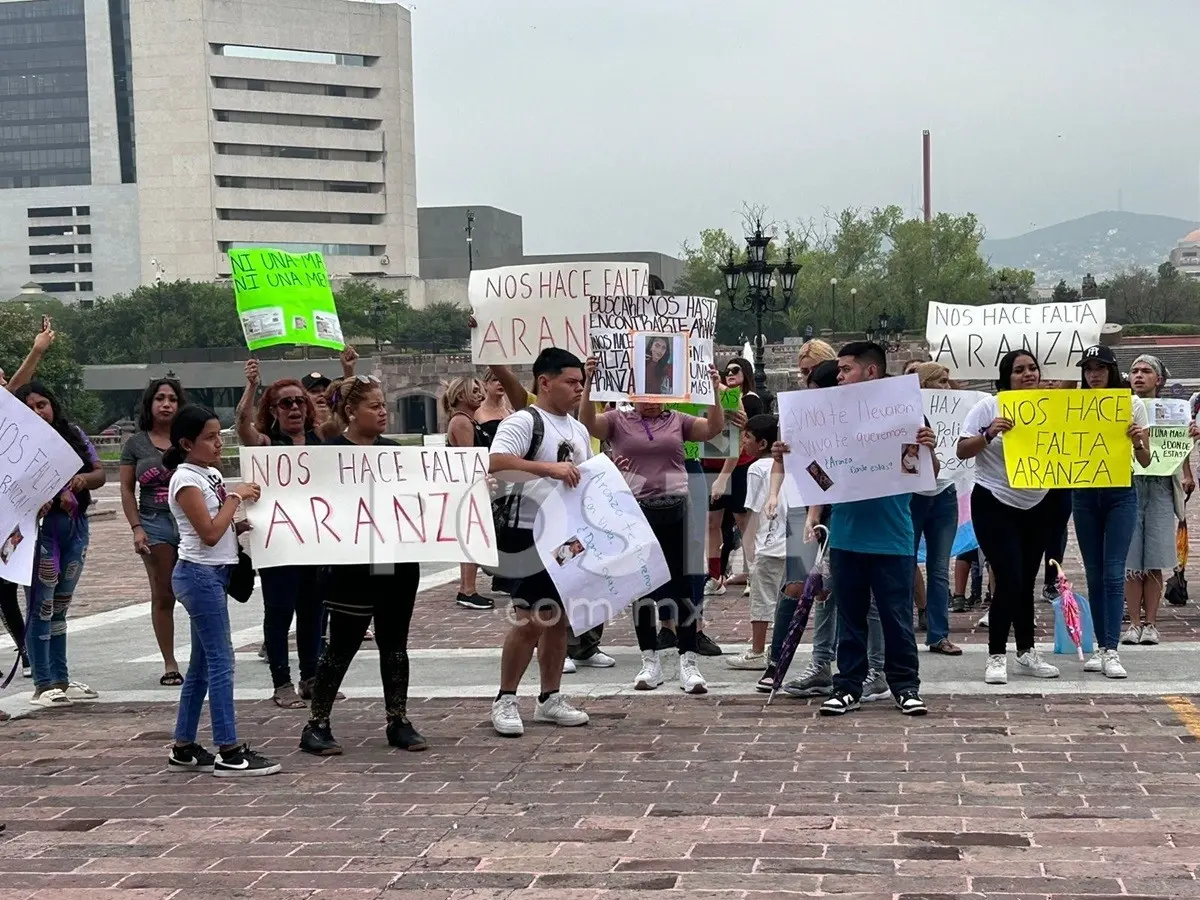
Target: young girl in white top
208 551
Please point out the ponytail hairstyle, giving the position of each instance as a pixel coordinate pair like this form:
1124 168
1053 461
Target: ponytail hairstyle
72 434
188 424
343 396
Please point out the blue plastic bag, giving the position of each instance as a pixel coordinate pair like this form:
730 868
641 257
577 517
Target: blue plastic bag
1062 640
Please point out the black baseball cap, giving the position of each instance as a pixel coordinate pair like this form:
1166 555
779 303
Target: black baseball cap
1098 353
315 381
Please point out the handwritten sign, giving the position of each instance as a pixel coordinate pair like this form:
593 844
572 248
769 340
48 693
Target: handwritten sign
971 340
284 298
35 465
946 411
385 504
1170 442
1076 439
521 310
855 441
597 546
727 444
652 347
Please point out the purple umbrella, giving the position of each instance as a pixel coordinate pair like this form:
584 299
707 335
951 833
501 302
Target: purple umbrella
814 587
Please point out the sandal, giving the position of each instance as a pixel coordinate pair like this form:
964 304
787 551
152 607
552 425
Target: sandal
285 697
946 648
171 679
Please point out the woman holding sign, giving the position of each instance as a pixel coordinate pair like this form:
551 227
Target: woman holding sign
1105 518
1161 501
286 416
1008 524
647 445
359 418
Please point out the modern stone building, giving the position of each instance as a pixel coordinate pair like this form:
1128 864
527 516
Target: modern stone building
140 137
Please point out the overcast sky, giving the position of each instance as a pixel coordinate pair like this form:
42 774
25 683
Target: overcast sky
632 124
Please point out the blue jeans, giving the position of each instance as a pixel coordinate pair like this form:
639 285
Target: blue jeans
62 545
823 617
889 579
936 518
201 591
1104 523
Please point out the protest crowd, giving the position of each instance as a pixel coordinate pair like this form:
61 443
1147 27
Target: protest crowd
621 481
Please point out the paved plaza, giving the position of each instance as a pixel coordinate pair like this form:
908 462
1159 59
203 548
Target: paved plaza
1040 789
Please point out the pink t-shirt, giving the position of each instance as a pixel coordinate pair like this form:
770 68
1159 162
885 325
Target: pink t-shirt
650 451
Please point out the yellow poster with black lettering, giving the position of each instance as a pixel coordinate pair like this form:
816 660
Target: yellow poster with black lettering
1067 438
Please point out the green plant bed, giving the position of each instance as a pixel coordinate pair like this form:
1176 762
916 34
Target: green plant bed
1159 328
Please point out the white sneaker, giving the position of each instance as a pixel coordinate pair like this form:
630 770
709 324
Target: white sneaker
714 587
506 717
1031 663
1133 635
597 660
651 675
51 699
1149 635
568 666
1112 665
983 620
690 679
77 690
753 661
1095 664
996 671
557 710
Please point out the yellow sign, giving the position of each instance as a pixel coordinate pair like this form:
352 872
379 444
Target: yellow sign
1067 438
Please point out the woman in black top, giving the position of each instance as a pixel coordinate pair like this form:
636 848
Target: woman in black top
285 416
359 418
460 401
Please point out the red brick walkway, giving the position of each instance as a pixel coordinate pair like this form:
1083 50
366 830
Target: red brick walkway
994 797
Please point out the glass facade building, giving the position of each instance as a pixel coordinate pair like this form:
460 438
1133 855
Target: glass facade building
44 140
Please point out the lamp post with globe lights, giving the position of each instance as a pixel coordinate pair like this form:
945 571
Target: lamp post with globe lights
760 297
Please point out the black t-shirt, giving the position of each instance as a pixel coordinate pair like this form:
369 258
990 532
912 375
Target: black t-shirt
311 439
342 441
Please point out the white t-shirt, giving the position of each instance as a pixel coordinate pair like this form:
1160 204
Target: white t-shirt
770 535
989 464
560 433
212 487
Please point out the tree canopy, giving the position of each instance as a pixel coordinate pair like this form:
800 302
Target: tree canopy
60 368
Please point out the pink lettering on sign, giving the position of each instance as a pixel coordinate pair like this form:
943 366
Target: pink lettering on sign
511 337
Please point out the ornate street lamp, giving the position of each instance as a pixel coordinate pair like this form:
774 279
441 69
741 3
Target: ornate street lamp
833 304
760 296
853 309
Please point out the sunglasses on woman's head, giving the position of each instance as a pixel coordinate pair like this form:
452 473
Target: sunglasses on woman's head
366 379
289 402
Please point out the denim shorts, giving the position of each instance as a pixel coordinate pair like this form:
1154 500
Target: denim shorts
160 528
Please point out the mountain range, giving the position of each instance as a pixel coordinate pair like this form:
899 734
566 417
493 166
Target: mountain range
1102 243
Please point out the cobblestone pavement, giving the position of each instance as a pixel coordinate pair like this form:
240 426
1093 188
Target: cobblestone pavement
996 797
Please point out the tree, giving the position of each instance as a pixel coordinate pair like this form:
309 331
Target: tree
439 326
1018 282
60 368
1064 294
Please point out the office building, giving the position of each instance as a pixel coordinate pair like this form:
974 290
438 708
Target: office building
148 137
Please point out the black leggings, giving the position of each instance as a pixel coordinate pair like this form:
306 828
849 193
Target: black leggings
1057 507
10 611
355 596
668 519
1013 541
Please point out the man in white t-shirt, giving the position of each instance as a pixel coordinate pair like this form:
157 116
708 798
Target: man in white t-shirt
534 448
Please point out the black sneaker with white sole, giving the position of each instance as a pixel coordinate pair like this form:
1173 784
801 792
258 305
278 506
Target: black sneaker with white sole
242 762
839 705
911 704
474 601
192 758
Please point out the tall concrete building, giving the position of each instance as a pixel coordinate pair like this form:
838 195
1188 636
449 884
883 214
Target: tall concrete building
68 204
148 136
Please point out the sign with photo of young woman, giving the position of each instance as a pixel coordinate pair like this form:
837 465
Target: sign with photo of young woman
652 349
